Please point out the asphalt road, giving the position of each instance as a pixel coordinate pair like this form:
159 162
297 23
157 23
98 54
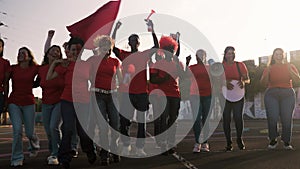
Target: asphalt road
256 155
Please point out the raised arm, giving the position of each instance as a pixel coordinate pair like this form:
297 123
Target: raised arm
48 40
115 49
178 41
155 40
118 25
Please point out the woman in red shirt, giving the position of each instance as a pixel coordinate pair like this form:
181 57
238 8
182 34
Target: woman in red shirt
166 73
280 97
22 105
74 101
51 92
234 71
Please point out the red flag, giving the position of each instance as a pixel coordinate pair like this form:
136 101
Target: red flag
98 23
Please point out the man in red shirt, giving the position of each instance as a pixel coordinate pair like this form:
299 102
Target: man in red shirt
134 93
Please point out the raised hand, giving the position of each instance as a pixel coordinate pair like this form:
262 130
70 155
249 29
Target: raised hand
188 59
51 33
150 25
118 25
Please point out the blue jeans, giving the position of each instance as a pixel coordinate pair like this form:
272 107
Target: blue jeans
71 118
280 102
200 107
237 109
107 107
17 114
52 121
130 102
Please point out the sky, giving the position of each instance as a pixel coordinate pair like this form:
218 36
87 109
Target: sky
253 27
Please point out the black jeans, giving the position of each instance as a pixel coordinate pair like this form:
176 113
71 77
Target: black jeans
70 118
168 120
130 102
237 109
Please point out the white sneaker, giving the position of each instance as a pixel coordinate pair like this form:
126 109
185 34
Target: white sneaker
287 146
197 148
205 147
17 164
33 153
273 144
140 152
35 143
126 150
52 160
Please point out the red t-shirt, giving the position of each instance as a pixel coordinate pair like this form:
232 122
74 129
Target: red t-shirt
138 60
280 76
200 80
76 88
231 71
22 83
4 68
105 72
51 89
169 87
152 86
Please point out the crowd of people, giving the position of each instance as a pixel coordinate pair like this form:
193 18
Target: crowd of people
119 86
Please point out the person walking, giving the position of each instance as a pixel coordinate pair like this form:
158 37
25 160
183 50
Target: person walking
200 97
51 110
236 76
280 97
21 105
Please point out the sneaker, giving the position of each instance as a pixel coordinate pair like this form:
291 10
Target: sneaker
240 144
140 152
288 146
74 153
35 143
52 160
273 144
205 147
197 148
17 164
228 148
33 153
126 150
